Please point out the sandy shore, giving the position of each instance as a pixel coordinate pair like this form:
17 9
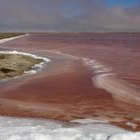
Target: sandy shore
65 89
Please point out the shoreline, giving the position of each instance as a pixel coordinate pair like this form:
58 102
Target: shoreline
63 79
11 38
17 64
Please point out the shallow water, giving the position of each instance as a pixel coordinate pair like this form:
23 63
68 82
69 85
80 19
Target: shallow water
82 81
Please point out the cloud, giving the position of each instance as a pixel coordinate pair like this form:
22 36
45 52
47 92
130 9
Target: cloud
67 15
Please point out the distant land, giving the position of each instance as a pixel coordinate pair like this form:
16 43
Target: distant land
8 35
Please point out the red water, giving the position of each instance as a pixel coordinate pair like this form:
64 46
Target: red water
90 76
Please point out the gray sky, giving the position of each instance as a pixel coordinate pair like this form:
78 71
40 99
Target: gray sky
70 15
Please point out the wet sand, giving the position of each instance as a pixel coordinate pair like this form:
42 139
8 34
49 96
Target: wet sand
89 76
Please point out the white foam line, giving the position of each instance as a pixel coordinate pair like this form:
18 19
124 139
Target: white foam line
11 38
96 66
49 51
119 89
26 54
106 79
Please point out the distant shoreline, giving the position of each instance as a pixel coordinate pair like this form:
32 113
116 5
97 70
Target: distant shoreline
12 34
83 32
9 35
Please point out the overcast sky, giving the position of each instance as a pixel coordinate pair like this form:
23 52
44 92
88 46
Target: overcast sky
70 15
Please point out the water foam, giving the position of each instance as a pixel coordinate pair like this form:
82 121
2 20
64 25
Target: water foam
104 78
39 129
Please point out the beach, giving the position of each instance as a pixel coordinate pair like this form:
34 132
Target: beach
89 76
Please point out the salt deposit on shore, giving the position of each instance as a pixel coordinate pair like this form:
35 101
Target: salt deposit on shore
11 38
37 129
